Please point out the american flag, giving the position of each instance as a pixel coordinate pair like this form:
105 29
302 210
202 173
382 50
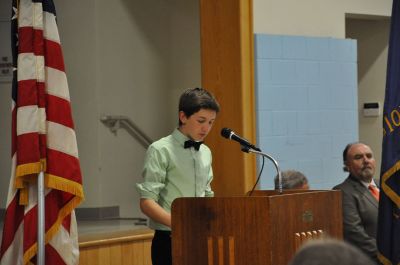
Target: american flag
43 139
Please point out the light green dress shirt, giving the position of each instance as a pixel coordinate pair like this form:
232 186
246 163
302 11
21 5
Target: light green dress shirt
171 171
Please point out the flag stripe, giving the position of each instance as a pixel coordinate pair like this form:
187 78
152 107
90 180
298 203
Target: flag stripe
61 138
30 67
12 192
13 130
69 248
29 92
30 226
61 111
30 14
53 56
50 30
28 141
31 119
31 41
14 255
14 216
53 256
57 83
66 224
69 169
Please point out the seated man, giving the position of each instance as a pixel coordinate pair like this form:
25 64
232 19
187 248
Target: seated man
292 179
360 197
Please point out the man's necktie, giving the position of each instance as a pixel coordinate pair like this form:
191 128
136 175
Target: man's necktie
374 190
194 144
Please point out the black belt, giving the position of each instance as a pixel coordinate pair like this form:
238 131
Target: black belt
163 232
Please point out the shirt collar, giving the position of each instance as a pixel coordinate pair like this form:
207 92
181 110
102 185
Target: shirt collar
366 184
180 137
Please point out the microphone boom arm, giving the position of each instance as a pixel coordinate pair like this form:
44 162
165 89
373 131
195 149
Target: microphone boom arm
273 160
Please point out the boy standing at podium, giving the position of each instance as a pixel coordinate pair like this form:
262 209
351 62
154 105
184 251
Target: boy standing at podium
178 165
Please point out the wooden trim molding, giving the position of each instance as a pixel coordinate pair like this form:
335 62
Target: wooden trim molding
119 248
108 238
227 58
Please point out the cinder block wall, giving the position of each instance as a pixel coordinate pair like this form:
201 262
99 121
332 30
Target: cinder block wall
306 94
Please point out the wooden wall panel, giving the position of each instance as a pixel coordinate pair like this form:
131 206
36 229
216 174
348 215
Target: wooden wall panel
126 253
227 57
122 248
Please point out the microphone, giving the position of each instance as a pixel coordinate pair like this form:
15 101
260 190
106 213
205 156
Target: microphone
231 135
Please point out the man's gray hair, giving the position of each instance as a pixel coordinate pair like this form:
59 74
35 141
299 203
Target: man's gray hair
291 179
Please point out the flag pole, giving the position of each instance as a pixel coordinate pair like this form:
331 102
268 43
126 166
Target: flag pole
41 214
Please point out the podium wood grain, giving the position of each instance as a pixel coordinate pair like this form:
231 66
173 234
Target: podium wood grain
264 229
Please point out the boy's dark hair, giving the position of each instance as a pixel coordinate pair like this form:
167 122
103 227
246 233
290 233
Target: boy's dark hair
194 99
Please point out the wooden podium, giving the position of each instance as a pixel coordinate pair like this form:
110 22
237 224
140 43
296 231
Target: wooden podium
266 228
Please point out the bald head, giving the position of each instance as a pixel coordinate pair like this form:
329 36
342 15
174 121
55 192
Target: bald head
359 161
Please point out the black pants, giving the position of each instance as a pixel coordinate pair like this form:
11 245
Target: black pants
161 248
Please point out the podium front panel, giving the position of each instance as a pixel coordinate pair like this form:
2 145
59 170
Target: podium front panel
265 229
218 231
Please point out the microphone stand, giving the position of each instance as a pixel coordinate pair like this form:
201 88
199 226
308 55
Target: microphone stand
273 160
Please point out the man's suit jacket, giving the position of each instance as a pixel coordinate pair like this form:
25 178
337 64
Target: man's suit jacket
360 215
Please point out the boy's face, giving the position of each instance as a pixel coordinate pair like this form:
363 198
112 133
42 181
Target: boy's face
198 125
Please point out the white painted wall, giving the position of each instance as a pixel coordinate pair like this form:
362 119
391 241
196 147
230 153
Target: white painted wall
77 28
324 18
142 54
372 38
128 57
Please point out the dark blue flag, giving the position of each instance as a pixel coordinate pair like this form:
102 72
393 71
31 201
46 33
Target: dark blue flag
388 239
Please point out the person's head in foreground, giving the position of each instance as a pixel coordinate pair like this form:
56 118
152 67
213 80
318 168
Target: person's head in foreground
329 252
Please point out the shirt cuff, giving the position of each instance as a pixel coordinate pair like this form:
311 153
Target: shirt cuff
149 190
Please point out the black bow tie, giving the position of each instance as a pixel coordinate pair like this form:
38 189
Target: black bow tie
191 143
